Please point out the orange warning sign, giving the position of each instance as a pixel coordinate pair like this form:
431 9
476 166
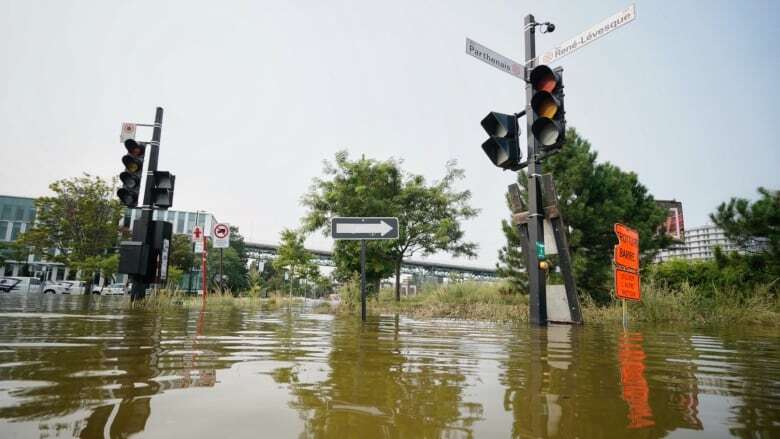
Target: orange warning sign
626 284
627 250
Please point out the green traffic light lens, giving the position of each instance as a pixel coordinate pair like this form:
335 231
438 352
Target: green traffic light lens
547 132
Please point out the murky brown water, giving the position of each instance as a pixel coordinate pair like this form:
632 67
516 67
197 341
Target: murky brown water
70 366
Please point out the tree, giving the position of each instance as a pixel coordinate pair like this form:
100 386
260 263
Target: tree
78 225
429 215
293 255
742 221
181 255
593 197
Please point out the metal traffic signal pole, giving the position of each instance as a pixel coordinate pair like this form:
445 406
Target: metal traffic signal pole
536 276
139 285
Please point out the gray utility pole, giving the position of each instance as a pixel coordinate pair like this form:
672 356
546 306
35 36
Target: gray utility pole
139 285
536 276
189 281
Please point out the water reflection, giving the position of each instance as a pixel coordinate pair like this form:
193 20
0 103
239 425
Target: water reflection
77 367
380 386
632 377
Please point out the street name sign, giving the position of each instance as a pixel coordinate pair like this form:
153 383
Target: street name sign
494 59
221 235
358 228
610 24
626 259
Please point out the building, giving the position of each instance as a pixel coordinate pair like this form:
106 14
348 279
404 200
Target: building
675 224
17 215
700 243
183 222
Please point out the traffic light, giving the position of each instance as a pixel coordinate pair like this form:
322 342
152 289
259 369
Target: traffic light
162 189
549 128
131 176
503 146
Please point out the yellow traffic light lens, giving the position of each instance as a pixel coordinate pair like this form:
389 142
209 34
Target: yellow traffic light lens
547 108
132 167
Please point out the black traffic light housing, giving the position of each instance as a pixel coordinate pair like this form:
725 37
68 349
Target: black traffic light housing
163 183
549 127
503 146
131 177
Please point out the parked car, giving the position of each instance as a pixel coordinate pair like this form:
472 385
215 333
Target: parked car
110 290
24 284
74 287
7 284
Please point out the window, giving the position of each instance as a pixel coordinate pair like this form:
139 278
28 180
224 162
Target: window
6 215
30 215
3 230
19 213
180 224
17 227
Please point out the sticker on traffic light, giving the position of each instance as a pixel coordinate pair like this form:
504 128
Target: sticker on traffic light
503 146
131 176
549 127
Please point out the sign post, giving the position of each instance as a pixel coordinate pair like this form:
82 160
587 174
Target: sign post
626 260
363 229
221 241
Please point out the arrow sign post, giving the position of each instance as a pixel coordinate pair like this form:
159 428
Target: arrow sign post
362 229
355 228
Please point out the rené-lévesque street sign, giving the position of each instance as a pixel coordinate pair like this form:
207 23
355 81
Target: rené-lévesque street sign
364 228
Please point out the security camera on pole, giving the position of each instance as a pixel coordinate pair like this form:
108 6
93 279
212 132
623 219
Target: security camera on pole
546 131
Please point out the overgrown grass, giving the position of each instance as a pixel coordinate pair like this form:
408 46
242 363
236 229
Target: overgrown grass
695 305
165 299
468 300
495 302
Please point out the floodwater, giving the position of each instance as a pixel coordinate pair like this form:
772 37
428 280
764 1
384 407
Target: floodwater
89 367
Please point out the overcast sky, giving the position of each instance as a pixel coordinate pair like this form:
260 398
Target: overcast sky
258 93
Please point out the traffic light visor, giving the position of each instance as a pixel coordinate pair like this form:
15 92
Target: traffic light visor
496 152
134 148
129 180
500 125
544 104
543 79
132 164
126 197
547 131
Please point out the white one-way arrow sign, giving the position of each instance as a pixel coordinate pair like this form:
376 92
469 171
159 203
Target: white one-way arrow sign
364 228
380 228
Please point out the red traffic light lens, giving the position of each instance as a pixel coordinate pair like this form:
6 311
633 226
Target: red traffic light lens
134 148
543 79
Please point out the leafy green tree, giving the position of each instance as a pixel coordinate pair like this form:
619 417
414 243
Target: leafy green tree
743 221
511 265
80 222
429 215
293 256
233 268
181 255
593 197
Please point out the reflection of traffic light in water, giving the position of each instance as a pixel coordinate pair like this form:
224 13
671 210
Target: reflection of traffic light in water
632 378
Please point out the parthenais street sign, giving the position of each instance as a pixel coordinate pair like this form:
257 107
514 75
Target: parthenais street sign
364 228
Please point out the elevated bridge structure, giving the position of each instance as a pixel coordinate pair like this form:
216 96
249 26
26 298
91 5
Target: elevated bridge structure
266 252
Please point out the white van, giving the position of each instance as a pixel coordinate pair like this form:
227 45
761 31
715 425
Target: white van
20 284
